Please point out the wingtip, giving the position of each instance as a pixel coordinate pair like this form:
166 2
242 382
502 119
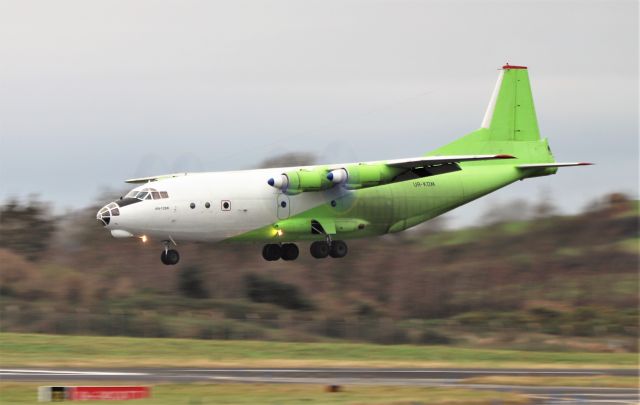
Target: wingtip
586 164
504 156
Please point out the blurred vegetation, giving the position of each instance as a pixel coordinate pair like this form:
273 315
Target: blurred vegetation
289 159
527 278
191 282
27 228
263 289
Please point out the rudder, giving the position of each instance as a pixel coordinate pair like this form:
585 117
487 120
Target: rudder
511 115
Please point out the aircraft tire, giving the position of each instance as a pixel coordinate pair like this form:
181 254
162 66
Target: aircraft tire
271 252
319 249
338 249
172 257
163 258
290 251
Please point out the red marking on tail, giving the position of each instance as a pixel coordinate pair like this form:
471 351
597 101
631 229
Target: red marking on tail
508 66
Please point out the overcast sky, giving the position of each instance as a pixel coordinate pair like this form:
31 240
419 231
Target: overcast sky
92 93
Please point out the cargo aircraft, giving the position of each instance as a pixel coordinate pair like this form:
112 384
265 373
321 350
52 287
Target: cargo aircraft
326 204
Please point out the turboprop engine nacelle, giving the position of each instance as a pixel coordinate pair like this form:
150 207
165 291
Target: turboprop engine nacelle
297 181
352 177
362 175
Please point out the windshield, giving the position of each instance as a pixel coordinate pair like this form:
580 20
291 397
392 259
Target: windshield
147 194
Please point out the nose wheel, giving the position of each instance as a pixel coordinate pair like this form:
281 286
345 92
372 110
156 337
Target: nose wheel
170 257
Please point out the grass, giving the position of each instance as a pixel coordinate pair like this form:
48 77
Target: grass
200 393
584 381
630 245
92 351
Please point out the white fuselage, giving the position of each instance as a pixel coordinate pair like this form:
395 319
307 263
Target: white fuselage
237 201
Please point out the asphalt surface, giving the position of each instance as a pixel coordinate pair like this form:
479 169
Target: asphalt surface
327 376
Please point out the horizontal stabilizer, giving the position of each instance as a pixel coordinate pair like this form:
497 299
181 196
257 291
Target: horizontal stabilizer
549 165
142 180
437 160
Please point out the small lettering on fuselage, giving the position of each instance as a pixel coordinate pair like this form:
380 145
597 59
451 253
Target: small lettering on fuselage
424 184
162 208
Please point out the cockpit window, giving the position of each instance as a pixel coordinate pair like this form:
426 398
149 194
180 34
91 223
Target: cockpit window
147 194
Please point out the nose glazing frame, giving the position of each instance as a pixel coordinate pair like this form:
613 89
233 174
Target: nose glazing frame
106 212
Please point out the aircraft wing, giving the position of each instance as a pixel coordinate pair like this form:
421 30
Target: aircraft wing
549 165
142 180
425 161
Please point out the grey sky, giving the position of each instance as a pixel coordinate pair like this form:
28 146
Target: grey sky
92 93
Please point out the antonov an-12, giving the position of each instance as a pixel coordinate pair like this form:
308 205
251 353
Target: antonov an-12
327 204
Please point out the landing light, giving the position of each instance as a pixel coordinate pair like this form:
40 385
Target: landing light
279 232
143 238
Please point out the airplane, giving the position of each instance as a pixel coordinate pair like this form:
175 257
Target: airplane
327 204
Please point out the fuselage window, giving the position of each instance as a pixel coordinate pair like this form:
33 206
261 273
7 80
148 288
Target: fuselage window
207 205
192 205
226 205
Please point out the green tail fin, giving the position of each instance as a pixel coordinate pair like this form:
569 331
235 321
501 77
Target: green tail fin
511 115
509 126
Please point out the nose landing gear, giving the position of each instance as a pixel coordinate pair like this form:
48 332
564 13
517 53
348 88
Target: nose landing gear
169 257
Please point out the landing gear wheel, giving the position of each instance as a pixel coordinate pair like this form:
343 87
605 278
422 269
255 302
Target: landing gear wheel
271 252
170 257
338 249
319 250
290 251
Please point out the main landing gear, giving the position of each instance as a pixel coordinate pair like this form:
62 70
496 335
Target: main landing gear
286 251
336 249
169 256
319 249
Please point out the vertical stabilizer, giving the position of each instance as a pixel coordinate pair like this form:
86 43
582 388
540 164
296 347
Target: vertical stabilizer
511 114
509 126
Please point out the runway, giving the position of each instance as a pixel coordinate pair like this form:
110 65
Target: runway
361 376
